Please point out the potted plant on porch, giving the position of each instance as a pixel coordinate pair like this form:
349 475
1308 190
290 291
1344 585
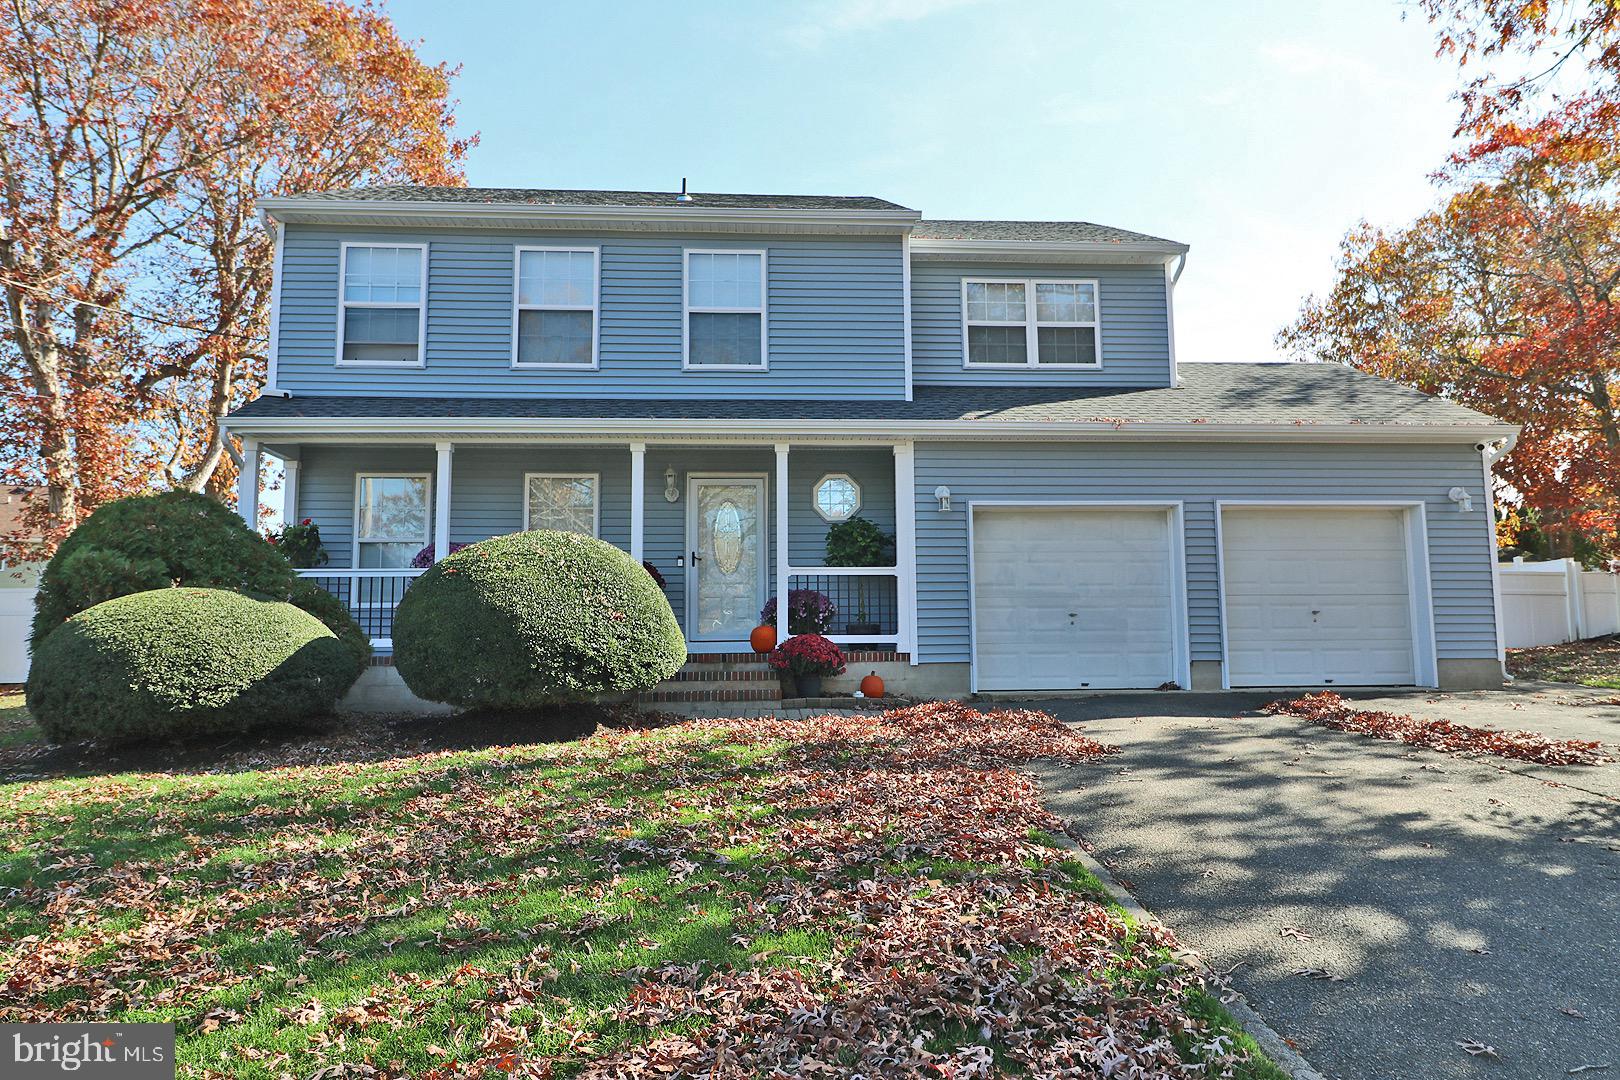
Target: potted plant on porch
858 542
809 658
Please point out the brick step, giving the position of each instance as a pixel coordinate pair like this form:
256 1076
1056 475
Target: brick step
720 696
724 673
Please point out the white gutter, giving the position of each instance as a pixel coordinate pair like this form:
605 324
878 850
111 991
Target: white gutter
303 208
773 430
1141 250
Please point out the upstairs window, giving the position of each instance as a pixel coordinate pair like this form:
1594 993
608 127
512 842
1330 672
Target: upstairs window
725 310
381 319
1029 323
556 306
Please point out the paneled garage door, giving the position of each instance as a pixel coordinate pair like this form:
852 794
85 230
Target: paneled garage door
1317 597
1073 599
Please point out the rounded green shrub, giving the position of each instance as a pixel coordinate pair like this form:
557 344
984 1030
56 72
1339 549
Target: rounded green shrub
175 538
177 662
534 619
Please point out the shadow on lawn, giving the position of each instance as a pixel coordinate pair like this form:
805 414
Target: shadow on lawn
327 741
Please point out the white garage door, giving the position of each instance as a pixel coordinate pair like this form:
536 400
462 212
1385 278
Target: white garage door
1317 597
1073 599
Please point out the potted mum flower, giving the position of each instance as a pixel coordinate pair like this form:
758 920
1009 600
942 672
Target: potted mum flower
809 612
809 658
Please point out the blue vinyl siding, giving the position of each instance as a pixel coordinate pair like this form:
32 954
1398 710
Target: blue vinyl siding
871 468
1135 334
1460 545
835 319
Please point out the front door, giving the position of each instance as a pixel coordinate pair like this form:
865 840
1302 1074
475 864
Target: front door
725 532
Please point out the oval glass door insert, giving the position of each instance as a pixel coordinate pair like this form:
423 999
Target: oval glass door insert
728 531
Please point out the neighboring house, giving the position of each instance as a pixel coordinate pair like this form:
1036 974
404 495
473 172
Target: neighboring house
708 382
19 579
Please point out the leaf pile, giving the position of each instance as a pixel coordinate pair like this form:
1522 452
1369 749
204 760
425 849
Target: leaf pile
1330 710
842 896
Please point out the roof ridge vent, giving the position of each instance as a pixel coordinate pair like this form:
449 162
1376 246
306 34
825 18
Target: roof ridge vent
683 197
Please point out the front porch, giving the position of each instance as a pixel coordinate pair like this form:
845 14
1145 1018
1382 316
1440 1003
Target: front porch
728 526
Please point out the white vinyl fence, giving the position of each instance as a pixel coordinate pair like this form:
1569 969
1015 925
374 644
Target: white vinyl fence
1545 603
16 615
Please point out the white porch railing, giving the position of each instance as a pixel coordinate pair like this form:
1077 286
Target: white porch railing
866 601
370 595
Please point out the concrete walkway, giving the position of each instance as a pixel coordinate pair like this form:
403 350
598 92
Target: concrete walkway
1452 900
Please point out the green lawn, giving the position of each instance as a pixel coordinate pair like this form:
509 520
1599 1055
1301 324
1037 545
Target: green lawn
754 894
1593 662
16 726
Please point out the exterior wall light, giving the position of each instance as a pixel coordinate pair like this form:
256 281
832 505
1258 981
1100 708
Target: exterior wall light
943 494
671 492
1464 501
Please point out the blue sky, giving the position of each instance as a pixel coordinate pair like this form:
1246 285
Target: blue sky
1257 132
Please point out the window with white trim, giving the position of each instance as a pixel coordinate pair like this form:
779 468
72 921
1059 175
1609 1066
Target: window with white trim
565 502
380 316
1030 323
556 307
391 519
836 497
725 309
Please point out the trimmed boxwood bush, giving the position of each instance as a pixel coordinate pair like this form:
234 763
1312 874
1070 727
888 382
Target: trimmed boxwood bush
179 662
534 619
176 538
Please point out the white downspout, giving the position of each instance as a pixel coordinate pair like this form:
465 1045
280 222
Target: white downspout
1170 280
1489 455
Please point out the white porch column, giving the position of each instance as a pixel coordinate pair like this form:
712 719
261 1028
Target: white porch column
247 484
289 491
638 500
441 502
781 542
905 543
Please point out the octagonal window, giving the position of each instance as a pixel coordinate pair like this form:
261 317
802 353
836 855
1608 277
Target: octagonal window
837 496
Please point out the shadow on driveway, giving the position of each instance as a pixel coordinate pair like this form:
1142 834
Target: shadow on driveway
1459 899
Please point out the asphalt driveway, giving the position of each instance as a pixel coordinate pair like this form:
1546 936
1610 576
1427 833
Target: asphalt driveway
1451 899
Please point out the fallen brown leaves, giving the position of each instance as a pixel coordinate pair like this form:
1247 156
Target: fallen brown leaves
954 941
1330 710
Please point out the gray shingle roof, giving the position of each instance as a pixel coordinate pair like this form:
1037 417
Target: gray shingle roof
572 197
1281 394
1040 231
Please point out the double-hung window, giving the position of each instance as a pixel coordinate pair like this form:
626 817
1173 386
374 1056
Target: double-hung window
391 519
725 310
566 502
555 308
381 316
1030 323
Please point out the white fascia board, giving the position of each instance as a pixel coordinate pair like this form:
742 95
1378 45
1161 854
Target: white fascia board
300 209
348 428
1136 251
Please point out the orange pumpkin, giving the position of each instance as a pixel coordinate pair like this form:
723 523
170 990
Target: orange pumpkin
763 639
872 685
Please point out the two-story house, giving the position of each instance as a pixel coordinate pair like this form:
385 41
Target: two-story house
711 381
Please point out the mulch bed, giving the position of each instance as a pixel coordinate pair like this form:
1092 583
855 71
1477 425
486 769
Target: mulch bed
1330 710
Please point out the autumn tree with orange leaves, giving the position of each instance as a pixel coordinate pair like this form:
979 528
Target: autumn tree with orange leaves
1504 296
135 138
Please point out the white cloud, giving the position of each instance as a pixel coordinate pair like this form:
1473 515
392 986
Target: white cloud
837 17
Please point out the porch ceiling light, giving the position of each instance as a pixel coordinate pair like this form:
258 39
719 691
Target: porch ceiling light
943 494
671 492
